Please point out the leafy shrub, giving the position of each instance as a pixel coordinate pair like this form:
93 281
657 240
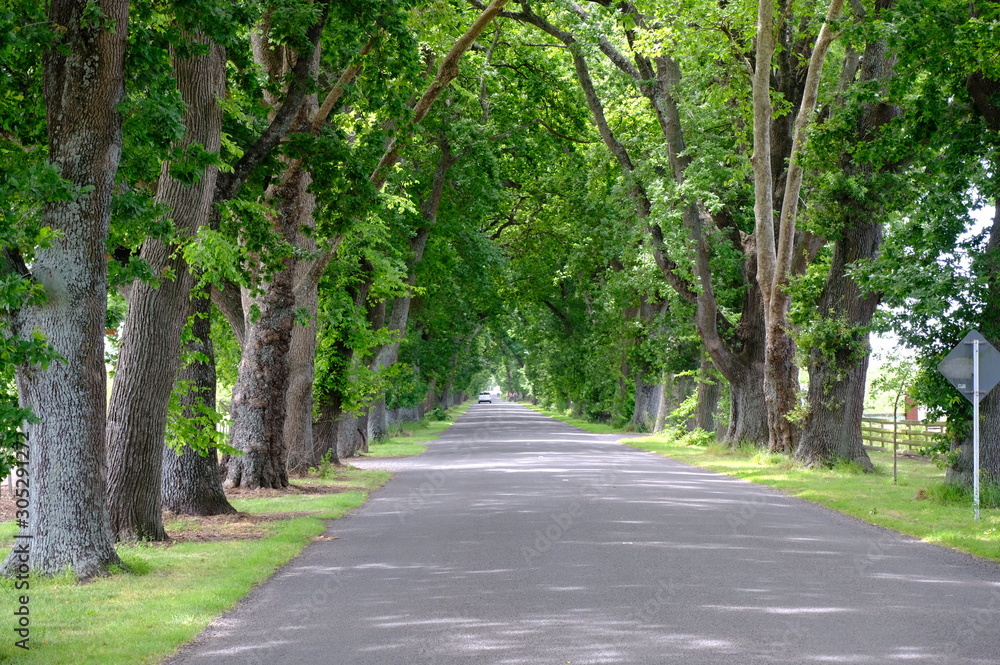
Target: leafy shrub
697 437
438 414
325 469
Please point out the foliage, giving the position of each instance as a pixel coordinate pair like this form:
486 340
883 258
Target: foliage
324 470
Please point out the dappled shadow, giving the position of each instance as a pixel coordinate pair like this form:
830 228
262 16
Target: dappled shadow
515 540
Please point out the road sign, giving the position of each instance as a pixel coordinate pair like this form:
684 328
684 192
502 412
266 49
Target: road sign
974 368
957 366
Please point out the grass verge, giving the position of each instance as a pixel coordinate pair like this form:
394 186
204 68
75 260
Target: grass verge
410 438
564 416
918 505
174 591
915 505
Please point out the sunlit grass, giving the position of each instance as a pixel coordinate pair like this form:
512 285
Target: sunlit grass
411 438
918 505
564 416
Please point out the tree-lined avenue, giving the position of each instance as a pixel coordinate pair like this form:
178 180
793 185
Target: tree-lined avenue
518 539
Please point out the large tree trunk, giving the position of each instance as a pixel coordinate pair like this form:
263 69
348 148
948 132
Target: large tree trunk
708 397
260 393
298 430
351 434
647 402
137 414
68 527
747 409
191 481
837 383
776 241
834 426
781 383
740 358
258 405
325 430
378 421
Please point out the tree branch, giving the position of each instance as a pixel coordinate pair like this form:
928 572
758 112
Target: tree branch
229 184
337 91
445 75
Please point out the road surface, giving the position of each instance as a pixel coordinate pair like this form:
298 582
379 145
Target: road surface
516 539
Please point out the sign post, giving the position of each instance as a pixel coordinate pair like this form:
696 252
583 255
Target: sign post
974 361
975 429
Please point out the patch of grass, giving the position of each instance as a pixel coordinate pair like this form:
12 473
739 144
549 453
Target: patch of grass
410 439
919 505
325 506
400 446
173 591
7 532
564 416
946 494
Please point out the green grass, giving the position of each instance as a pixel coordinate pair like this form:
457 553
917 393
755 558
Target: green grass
174 591
918 505
564 416
410 438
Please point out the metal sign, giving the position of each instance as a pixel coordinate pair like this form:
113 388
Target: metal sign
957 366
974 368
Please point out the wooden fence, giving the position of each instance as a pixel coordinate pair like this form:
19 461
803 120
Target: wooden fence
909 433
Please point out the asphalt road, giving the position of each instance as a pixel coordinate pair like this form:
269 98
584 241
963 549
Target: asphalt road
517 539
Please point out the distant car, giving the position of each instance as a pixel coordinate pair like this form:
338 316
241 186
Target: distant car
485 397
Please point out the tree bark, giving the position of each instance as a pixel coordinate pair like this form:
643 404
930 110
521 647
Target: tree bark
325 429
708 397
192 484
264 375
352 436
662 405
83 82
140 393
646 406
837 384
775 247
298 429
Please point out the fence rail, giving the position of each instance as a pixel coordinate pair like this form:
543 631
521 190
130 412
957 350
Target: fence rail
909 433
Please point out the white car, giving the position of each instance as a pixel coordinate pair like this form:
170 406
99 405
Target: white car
485 397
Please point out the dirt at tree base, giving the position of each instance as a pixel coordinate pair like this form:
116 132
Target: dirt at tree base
191 528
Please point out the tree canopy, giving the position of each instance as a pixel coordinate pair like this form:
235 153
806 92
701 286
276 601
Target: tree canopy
624 208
